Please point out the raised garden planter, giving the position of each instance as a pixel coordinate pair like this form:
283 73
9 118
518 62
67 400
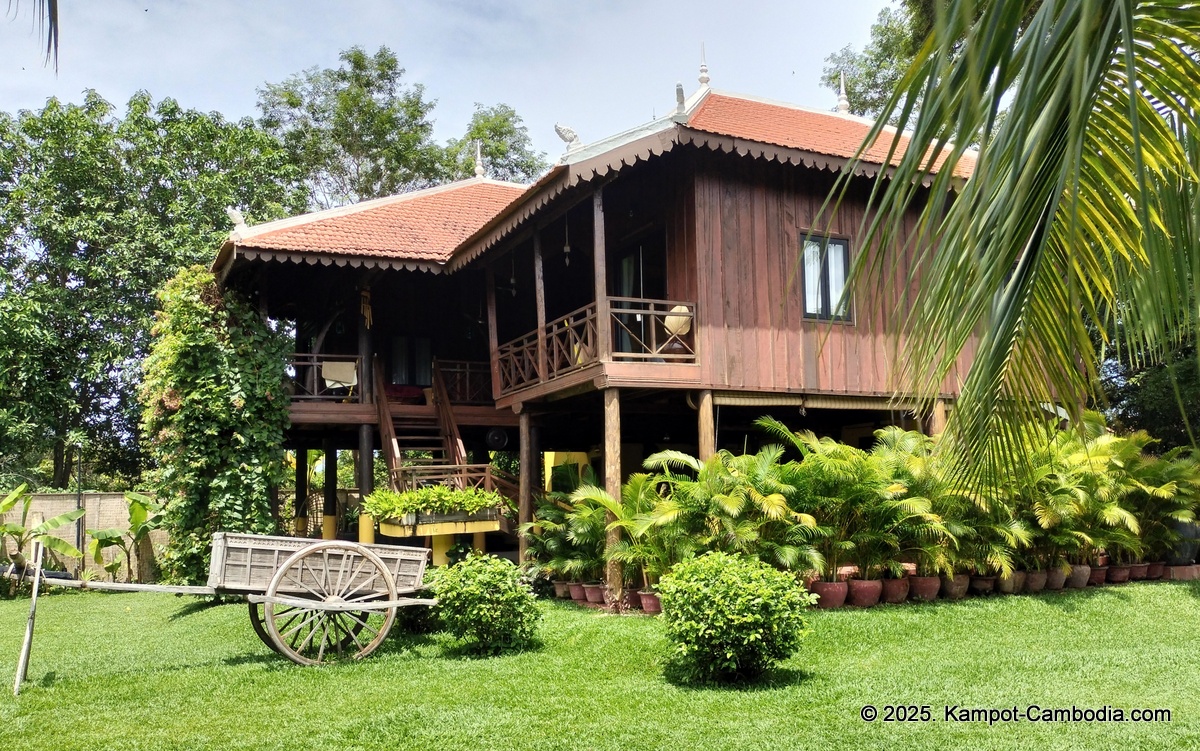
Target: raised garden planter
1079 576
1137 571
864 593
955 587
650 602
1119 574
1007 585
1098 575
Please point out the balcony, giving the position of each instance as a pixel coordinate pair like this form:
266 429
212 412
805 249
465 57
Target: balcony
638 330
325 378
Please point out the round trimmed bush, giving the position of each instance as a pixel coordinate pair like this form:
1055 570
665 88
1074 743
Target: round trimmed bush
730 618
482 601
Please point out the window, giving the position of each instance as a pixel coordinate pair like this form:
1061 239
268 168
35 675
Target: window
826 262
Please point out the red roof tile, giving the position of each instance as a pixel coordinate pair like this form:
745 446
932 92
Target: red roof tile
792 127
424 225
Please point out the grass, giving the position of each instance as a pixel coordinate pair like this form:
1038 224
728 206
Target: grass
140 671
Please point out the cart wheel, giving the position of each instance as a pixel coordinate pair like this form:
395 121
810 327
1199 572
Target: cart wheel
257 621
331 572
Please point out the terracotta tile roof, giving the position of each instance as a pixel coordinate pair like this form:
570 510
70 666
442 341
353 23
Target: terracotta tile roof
424 225
793 127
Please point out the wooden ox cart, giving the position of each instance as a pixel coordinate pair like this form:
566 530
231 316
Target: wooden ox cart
312 602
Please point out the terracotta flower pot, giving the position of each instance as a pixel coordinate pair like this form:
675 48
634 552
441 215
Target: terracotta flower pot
594 593
562 589
1007 585
1056 579
1079 576
1119 574
983 585
955 588
650 602
577 593
1137 571
1155 570
829 594
1035 581
1098 575
924 588
632 598
895 591
864 593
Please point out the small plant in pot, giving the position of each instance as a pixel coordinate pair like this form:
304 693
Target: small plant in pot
1124 547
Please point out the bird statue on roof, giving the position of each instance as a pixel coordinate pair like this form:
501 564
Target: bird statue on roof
235 216
569 136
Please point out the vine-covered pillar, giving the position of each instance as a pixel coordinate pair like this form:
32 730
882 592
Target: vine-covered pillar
300 526
329 509
612 482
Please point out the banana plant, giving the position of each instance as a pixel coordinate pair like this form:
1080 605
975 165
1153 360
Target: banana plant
22 534
144 517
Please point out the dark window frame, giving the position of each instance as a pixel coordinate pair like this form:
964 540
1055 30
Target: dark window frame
826 312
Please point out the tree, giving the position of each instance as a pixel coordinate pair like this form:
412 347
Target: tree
506 149
215 412
356 131
873 74
1081 211
1161 398
98 212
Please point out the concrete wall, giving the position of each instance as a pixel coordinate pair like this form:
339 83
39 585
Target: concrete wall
102 511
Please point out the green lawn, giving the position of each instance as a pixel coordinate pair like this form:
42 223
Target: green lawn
157 672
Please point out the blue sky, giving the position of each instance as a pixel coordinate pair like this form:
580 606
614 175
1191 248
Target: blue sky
599 67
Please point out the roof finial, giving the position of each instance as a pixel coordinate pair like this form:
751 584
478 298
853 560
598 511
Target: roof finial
479 159
843 101
703 67
679 99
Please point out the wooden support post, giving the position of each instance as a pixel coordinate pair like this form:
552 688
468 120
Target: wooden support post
27 643
366 460
612 481
366 389
937 418
525 492
300 527
493 336
539 288
708 427
600 272
329 507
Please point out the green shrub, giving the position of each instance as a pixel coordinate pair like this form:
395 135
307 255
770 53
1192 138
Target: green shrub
433 499
483 602
730 618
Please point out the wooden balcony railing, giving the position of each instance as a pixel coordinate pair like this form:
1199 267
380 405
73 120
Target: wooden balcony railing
325 377
571 342
462 476
467 382
652 330
642 330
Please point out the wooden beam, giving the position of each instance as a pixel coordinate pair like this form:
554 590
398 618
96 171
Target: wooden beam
707 426
493 340
937 418
366 460
525 479
539 289
612 481
329 507
600 271
300 526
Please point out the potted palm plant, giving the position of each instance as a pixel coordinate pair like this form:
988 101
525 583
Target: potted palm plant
1167 501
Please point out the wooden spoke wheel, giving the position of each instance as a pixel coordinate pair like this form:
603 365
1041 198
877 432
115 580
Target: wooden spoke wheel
258 622
284 612
327 577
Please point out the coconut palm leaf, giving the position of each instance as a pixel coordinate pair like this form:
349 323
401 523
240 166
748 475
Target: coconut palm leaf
1080 209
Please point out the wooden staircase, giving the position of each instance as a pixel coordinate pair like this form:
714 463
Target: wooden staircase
428 447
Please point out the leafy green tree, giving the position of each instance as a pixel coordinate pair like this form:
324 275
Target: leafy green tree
356 131
506 149
1080 211
1162 398
215 411
873 73
96 212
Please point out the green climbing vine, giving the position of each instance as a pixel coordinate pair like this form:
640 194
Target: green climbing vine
214 413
